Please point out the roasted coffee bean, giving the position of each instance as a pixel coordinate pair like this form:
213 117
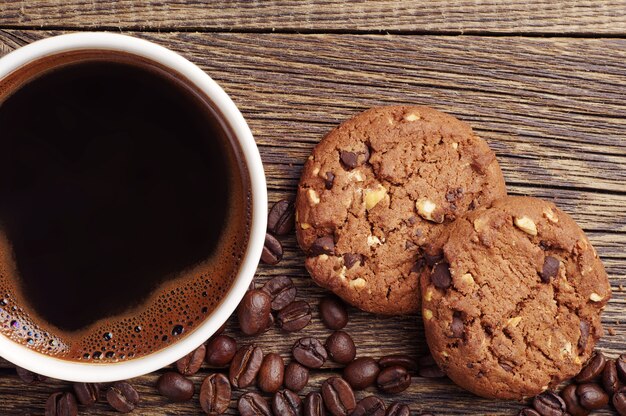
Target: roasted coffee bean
593 369
215 393
619 401
314 405
550 269
549 404
528 412
61 404
191 363
296 376
271 373
440 276
323 245
281 290
428 367
309 352
610 380
253 313
591 396
122 397
294 317
369 406
287 403
393 379
333 312
397 409
340 347
398 359
245 366
175 387
87 394
281 218
620 364
272 250
220 351
361 373
572 403
253 404
29 377
338 396
584 335
330 180
457 327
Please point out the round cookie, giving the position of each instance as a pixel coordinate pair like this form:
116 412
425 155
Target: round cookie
514 307
378 190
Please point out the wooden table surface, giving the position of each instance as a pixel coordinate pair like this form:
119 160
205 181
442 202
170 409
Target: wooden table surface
542 81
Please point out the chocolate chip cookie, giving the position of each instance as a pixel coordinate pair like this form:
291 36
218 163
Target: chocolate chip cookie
513 308
377 192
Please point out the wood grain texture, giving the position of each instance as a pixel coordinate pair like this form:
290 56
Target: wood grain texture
552 109
435 16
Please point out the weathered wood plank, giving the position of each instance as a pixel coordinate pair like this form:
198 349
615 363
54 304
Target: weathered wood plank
436 16
552 109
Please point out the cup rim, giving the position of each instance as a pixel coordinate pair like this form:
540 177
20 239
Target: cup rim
105 372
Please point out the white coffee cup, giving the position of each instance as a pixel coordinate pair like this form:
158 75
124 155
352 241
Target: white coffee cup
104 372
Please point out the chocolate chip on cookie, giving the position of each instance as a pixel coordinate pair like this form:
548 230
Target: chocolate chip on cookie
377 194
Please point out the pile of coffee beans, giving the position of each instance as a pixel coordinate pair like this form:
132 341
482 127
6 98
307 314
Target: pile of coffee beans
599 383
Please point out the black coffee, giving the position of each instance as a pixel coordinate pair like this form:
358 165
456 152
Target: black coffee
124 208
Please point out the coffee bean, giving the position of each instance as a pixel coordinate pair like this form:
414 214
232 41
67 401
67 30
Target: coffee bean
245 366
296 376
29 377
294 316
369 406
397 409
361 373
584 335
440 276
619 401
550 269
61 404
572 403
393 379
333 312
309 352
272 250
287 403
220 351
591 396
271 373
592 370
398 359
191 363
338 396
428 367
281 291
175 387
87 394
253 313
549 404
314 405
340 347
122 397
610 380
215 393
281 218
620 364
253 404
528 412
457 326
350 259
323 245
330 180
